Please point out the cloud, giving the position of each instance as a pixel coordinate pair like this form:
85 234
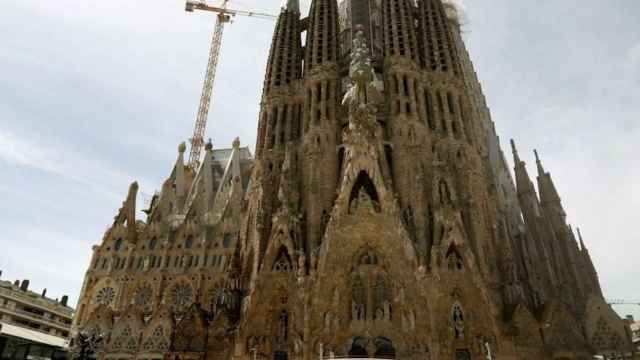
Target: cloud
67 256
62 161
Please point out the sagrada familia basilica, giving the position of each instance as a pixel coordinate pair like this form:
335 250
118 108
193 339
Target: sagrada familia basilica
378 219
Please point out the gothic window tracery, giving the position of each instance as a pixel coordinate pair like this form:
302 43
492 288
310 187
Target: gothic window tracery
283 261
454 260
157 341
364 193
143 297
105 296
125 341
181 297
369 258
445 194
457 317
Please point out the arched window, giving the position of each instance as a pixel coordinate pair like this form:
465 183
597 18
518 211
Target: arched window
454 259
283 261
368 258
384 348
118 245
457 317
362 189
445 194
227 239
152 243
280 355
358 348
283 326
188 244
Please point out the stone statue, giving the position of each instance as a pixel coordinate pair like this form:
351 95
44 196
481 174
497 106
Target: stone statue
363 90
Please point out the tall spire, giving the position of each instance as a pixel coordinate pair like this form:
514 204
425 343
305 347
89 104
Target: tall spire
514 150
548 192
523 181
279 121
538 162
285 56
438 50
322 34
399 30
582 246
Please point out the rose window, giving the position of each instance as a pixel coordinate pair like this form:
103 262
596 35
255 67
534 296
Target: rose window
181 297
106 296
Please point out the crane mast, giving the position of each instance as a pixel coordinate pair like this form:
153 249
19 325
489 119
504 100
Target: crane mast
224 16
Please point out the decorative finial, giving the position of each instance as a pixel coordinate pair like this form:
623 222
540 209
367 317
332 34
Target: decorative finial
236 143
539 163
182 147
209 145
515 151
582 246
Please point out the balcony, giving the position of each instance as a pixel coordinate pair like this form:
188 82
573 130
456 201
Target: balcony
36 318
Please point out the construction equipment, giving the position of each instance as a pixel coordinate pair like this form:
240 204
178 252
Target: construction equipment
623 302
224 16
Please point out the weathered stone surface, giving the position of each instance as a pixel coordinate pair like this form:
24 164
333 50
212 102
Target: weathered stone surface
388 226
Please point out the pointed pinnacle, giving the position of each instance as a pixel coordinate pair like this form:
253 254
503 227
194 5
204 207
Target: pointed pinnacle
291 5
514 150
539 163
582 246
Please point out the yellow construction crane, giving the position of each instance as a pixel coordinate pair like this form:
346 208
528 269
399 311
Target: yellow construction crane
224 16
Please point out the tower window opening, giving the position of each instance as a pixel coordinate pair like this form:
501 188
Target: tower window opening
364 186
283 326
405 85
457 317
118 245
451 104
429 110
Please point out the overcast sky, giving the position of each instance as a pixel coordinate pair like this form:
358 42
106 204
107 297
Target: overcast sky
97 94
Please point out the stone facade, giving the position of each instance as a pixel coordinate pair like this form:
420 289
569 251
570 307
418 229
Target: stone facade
378 219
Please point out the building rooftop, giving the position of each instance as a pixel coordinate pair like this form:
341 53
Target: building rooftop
21 291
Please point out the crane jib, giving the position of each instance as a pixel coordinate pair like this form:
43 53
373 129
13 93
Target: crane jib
224 15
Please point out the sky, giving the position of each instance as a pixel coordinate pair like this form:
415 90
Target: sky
97 94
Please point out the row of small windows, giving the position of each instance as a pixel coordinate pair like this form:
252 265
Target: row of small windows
283 125
227 239
444 102
181 261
